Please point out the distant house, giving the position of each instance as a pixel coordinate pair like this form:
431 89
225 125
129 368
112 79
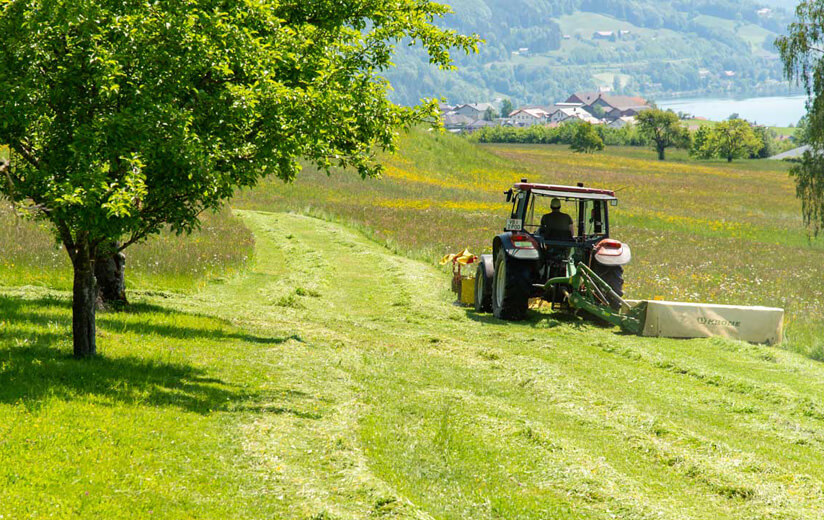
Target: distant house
584 98
622 121
445 108
613 107
529 116
477 125
452 121
567 37
729 73
474 111
567 114
603 35
764 12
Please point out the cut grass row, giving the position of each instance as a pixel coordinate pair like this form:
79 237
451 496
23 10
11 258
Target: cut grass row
349 387
700 231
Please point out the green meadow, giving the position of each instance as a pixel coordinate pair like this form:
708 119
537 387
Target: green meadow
301 358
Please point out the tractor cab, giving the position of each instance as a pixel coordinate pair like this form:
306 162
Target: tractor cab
587 208
550 230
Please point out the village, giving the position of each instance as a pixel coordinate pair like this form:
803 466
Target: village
598 108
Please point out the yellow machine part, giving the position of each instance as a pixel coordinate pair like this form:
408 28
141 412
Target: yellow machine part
468 291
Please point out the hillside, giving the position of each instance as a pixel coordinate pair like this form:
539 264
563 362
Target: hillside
301 368
335 380
656 49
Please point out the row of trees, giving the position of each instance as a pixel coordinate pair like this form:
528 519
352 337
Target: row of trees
660 129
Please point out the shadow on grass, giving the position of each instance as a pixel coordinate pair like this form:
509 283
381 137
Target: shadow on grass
535 319
35 362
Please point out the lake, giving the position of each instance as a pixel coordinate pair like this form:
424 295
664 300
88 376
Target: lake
770 111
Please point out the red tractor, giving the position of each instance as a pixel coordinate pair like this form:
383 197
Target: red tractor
555 237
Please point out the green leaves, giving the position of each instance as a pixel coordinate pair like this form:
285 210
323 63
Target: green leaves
586 139
663 130
124 117
731 139
801 51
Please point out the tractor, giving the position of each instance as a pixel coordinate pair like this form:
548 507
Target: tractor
577 266
572 263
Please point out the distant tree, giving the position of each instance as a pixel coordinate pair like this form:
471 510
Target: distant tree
507 107
663 130
768 139
801 53
731 140
585 139
125 118
732 116
699 148
490 114
617 86
598 111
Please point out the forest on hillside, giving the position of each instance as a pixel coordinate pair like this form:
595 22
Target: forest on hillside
540 50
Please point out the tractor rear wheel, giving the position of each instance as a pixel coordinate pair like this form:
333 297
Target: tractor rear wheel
613 275
510 288
483 287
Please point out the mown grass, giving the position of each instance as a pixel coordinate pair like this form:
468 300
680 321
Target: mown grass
335 380
700 230
146 430
350 387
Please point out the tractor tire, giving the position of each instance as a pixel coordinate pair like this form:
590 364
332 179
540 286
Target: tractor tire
613 275
483 285
510 288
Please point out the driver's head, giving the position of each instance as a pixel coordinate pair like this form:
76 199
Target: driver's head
555 204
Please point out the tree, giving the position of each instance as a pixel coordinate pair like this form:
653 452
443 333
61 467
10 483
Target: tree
585 139
507 107
699 147
490 114
801 52
767 137
730 140
128 117
663 130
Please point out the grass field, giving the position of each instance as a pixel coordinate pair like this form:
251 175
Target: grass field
700 231
335 380
299 368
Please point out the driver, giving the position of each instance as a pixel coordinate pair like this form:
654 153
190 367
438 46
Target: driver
557 224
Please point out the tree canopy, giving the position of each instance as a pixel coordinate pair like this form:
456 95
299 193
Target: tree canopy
663 129
585 139
731 139
127 116
801 51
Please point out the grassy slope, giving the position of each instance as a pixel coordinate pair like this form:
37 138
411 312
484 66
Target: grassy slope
700 231
348 386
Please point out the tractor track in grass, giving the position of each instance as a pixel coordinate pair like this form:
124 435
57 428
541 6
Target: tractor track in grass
349 386
437 411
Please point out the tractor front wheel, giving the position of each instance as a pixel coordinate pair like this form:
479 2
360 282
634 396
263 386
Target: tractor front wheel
483 286
510 288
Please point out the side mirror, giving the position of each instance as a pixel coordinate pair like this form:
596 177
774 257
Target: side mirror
613 202
508 195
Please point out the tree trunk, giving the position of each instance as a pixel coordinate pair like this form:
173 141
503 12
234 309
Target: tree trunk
111 279
729 158
84 303
662 153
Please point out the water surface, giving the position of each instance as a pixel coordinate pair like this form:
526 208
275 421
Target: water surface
771 111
